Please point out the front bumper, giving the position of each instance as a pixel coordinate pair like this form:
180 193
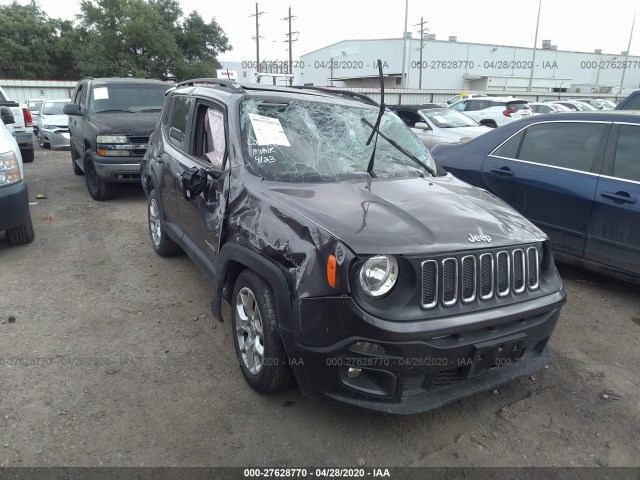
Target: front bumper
118 169
14 205
417 370
57 139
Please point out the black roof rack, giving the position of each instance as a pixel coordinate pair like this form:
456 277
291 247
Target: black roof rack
343 93
234 86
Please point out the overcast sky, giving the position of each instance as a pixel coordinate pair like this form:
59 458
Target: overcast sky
569 24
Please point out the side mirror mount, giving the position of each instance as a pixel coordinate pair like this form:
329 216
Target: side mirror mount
422 126
193 182
72 109
7 116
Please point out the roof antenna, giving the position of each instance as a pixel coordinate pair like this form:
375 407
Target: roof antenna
376 127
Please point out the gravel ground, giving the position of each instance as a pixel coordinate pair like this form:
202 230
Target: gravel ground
114 359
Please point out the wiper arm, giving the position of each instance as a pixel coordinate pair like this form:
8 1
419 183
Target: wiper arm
403 150
114 110
376 128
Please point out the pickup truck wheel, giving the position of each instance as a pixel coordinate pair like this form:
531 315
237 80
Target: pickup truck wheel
98 188
27 155
22 234
41 141
261 355
74 164
161 243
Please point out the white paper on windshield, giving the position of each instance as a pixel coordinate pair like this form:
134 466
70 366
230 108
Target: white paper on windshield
268 130
101 93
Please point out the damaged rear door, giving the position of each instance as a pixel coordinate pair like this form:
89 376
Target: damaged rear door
204 176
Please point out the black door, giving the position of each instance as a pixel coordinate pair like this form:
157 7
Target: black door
202 216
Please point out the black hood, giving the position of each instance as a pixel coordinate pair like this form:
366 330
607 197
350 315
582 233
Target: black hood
407 216
125 123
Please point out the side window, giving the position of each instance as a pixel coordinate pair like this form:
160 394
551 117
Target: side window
510 148
459 106
210 142
83 97
627 160
409 118
177 121
568 145
472 106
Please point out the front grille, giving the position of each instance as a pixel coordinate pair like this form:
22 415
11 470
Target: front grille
139 140
479 276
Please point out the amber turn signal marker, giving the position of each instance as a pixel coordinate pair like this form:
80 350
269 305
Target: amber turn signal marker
331 270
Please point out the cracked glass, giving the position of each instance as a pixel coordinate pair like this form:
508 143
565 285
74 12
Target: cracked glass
319 141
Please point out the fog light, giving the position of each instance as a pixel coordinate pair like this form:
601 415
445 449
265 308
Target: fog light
366 347
354 372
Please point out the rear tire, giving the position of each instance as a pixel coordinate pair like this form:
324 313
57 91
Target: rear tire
256 334
162 244
22 234
27 155
98 188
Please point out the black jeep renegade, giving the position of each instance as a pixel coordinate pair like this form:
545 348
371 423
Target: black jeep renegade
349 259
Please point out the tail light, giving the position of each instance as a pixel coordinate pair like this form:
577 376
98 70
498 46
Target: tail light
28 120
509 111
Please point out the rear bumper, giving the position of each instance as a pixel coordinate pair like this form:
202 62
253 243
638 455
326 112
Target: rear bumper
417 372
25 139
14 205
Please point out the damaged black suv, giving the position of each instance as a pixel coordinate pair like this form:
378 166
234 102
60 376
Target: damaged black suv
348 258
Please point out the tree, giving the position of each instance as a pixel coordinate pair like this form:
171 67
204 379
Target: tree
32 45
147 38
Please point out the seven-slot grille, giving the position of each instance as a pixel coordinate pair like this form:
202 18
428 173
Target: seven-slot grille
482 276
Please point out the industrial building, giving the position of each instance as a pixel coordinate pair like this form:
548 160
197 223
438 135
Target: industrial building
453 65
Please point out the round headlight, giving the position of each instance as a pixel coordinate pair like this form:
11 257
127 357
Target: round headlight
378 275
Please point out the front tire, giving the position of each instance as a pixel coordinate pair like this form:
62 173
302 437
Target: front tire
161 243
259 348
98 188
22 234
41 141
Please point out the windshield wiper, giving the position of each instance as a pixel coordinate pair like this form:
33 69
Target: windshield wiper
376 128
157 109
114 110
402 149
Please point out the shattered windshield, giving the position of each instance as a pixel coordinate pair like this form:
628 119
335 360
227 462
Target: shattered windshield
318 141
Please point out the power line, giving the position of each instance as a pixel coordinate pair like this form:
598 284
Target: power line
423 30
257 36
290 40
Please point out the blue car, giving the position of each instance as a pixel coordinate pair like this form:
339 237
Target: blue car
575 175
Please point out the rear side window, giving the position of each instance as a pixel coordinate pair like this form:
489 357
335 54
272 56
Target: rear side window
568 145
177 121
518 105
627 161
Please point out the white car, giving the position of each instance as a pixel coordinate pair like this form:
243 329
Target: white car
494 111
53 125
15 217
542 108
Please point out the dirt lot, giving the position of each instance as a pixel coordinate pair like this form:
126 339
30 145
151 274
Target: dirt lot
114 359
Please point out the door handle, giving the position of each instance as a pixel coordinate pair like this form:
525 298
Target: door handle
156 158
504 171
619 197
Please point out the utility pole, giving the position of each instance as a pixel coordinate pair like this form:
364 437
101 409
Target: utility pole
422 31
535 44
290 40
404 43
257 37
626 59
